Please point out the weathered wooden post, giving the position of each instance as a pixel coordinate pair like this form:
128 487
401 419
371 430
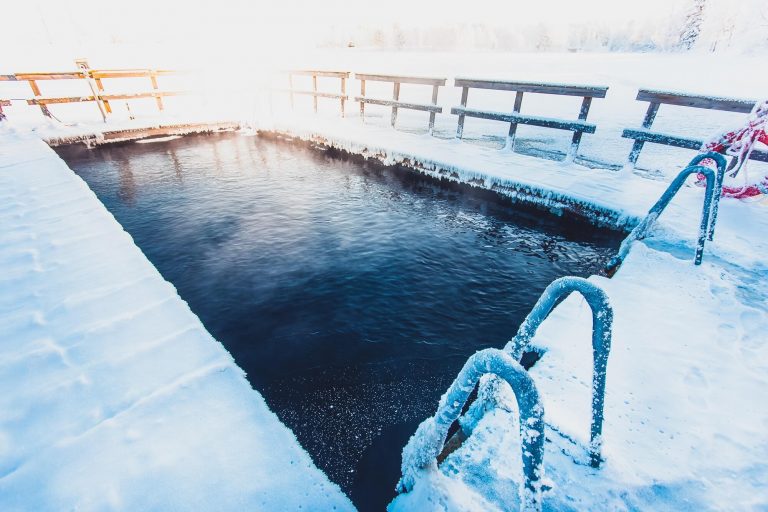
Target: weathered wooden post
314 92
650 115
513 125
153 77
576 140
343 94
82 64
290 88
395 97
100 86
460 127
37 93
362 100
4 103
435 88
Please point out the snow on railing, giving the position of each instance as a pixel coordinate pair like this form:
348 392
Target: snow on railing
94 79
343 76
395 103
578 126
426 444
708 215
657 98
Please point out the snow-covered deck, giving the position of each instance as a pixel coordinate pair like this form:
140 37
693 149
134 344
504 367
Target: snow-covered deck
684 419
115 397
118 397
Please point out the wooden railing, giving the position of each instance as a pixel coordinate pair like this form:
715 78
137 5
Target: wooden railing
343 76
395 102
656 98
94 78
578 126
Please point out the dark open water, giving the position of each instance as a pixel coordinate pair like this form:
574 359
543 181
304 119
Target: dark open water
350 293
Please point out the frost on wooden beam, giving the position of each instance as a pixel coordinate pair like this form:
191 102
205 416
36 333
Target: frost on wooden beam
421 80
400 104
590 91
544 122
656 98
395 102
741 106
677 141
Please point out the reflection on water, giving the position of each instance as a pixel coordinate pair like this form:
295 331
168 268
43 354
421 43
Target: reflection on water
351 294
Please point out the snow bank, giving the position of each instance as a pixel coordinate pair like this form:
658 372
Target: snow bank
116 396
683 420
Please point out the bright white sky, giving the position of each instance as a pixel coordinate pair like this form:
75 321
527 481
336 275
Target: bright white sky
256 25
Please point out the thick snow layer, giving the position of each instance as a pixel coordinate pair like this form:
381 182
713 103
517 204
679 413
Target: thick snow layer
115 396
684 414
684 419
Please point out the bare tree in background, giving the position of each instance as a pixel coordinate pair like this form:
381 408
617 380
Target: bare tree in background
692 25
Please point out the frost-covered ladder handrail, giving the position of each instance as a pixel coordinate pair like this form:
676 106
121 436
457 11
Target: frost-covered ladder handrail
708 215
425 445
602 329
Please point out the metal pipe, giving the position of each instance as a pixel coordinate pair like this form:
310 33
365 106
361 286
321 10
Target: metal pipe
712 195
425 445
602 330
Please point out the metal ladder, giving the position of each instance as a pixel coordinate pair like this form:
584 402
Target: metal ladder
708 215
429 441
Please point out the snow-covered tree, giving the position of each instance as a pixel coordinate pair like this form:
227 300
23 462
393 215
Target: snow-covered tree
692 25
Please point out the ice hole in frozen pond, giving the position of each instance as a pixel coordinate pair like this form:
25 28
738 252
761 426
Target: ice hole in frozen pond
351 293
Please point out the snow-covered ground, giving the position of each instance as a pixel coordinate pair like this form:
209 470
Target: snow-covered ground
685 422
115 397
684 419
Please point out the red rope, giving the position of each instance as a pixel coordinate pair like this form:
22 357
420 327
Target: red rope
739 144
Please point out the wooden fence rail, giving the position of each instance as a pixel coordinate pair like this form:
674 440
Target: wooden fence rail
94 79
395 102
343 76
657 98
578 126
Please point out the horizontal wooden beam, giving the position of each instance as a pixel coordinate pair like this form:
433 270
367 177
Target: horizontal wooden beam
130 73
400 104
588 91
51 101
138 95
78 75
310 72
544 122
319 94
66 75
5 103
107 97
677 141
697 101
662 138
402 79
137 73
